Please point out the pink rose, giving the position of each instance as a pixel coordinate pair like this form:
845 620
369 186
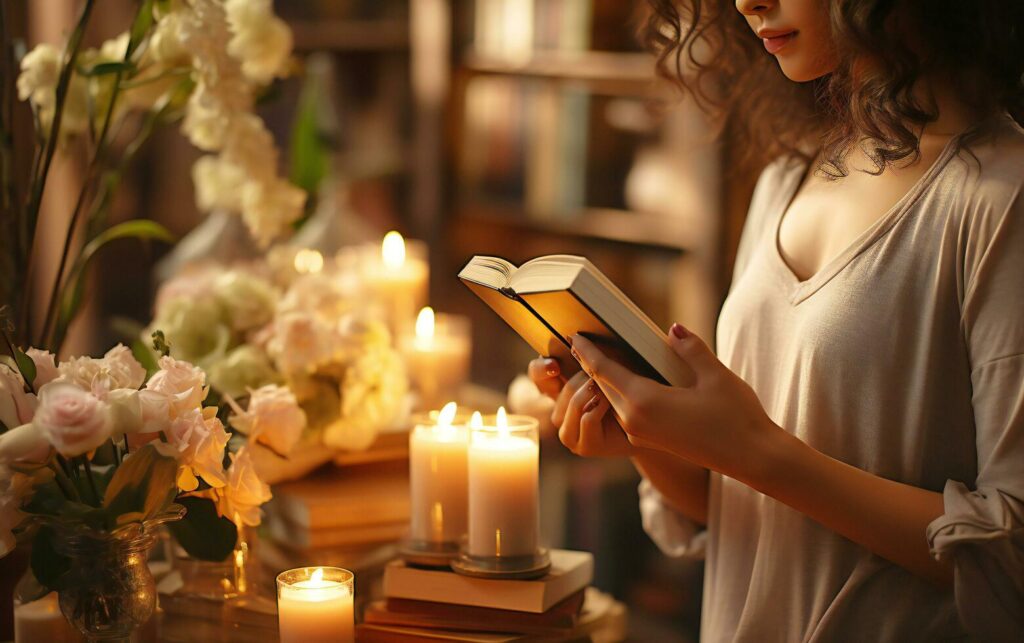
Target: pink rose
273 418
183 383
16 405
72 420
117 369
199 440
46 367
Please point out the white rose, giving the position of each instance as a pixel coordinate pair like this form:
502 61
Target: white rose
16 405
240 499
199 439
118 368
195 328
25 443
261 41
248 301
374 395
268 208
301 342
273 418
243 368
72 420
183 384
218 184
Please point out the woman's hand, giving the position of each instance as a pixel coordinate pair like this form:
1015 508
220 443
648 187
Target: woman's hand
581 414
717 423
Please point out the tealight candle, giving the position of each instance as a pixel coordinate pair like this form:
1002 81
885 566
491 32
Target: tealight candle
437 356
438 478
397 277
504 518
315 605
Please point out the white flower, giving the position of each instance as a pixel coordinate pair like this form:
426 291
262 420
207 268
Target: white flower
138 412
269 208
182 383
25 443
301 342
116 369
46 366
240 499
218 184
74 421
273 418
194 281
37 83
166 43
195 328
248 301
16 405
261 40
199 439
244 367
14 488
373 396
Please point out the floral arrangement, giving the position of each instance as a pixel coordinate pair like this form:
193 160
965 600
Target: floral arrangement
101 444
313 332
200 63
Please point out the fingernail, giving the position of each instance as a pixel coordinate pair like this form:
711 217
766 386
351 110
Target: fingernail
593 387
552 368
679 331
592 404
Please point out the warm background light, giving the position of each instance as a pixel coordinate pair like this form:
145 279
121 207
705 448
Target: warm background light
392 250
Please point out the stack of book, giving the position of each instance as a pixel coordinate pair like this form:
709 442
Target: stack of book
433 605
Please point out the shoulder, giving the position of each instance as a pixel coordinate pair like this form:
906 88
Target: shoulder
774 186
986 177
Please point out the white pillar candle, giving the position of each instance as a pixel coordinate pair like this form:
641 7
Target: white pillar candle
315 605
438 478
397 278
437 356
42 620
504 517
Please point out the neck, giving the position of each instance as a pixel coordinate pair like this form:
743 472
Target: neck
954 115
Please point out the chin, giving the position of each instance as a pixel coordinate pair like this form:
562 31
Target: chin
801 70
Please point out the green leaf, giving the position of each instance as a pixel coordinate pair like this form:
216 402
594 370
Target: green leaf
48 566
47 500
143 484
145 357
202 533
107 68
140 27
25 365
74 290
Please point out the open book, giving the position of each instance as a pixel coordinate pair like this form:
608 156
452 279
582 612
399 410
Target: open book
549 299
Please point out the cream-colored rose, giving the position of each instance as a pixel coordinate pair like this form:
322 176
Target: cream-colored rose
273 417
218 184
16 404
261 41
195 328
301 342
243 368
248 301
241 498
46 366
118 368
74 421
182 383
269 208
374 395
199 439
25 443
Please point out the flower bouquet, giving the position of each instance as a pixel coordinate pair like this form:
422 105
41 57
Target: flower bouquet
95 452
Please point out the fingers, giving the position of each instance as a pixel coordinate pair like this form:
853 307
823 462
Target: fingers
565 395
693 350
569 430
595 435
547 376
600 367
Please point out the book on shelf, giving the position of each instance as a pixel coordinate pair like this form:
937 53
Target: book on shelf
549 299
570 572
601 619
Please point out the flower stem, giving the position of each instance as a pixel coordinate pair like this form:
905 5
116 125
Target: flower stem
63 482
92 481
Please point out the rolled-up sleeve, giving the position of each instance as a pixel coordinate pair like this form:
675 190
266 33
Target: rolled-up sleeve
673 533
981 532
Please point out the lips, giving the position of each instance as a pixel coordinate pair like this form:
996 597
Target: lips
774 41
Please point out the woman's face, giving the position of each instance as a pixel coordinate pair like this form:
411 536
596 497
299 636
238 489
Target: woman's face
796 32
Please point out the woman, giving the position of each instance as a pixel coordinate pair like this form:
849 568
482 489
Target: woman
852 462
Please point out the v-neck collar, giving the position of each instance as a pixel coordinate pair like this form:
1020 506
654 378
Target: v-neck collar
799 290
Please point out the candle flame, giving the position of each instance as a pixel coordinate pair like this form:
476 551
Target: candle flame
308 261
318 575
502 422
477 421
447 415
425 323
392 250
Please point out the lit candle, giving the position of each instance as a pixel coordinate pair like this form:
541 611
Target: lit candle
504 517
308 261
437 356
397 278
315 605
437 478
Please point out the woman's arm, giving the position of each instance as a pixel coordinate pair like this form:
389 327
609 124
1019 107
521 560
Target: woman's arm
683 485
720 424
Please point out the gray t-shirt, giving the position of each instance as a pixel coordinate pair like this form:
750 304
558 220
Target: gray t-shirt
903 356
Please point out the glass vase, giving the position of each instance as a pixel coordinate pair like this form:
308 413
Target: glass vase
109 593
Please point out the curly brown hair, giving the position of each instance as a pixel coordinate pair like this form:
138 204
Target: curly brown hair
707 48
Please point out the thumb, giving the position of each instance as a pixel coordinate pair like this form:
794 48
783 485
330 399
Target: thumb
692 349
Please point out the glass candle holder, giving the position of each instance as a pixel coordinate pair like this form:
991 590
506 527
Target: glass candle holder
504 499
437 356
396 275
315 604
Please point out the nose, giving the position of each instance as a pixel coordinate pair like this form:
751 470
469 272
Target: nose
753 7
